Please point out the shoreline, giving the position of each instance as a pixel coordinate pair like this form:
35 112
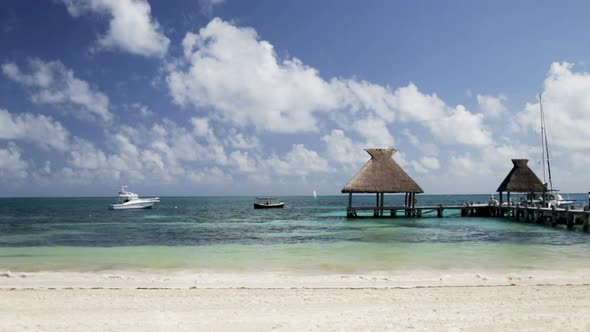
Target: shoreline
161 279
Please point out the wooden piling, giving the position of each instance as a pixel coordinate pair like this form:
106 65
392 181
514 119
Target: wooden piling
553 216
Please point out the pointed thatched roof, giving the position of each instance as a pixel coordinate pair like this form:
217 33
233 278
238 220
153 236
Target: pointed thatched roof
382 174
521 179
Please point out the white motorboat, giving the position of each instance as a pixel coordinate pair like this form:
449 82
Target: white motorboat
129 200
554 199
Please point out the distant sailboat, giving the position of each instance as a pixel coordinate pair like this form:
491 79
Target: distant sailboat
315 195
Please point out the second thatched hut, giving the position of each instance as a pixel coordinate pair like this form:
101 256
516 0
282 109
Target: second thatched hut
521 179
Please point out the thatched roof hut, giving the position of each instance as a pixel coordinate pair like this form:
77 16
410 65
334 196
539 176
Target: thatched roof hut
381 174
521 179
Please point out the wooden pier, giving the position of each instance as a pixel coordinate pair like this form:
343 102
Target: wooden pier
537 214
382 175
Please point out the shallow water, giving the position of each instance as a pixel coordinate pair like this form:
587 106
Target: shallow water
308 235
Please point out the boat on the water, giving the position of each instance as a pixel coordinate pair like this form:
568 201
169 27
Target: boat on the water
129 200
549 199
553 198
268 203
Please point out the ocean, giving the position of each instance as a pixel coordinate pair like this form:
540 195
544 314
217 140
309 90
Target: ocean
307 236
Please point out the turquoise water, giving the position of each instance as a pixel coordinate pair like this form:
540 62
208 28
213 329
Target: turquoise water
227 234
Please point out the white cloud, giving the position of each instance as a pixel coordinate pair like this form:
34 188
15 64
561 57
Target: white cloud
230 70
492 106
414 106
240 141
38 129
201 127
179 144
425 164
566 104
461 126
430 162
448 125
53 83
84 154
418 167
239 76
342 150
298 161
466 165
213 175
243 162
427 148
12 167
365 95
131 28
375 132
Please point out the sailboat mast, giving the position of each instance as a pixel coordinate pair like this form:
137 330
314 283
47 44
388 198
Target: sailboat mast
544 138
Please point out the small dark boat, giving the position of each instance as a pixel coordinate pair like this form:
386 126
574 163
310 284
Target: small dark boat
268 203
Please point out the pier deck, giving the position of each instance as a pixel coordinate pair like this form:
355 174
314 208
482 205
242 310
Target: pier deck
537 214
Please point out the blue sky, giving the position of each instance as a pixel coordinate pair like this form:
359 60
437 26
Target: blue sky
225 97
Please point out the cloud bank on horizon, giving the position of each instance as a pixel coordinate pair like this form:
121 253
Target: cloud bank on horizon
243 118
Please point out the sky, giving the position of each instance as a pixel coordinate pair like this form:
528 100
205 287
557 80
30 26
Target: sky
228 97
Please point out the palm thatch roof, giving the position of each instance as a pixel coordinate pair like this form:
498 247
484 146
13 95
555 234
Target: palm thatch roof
381 174
521 179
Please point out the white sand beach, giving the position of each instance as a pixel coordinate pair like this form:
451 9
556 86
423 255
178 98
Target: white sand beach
417 300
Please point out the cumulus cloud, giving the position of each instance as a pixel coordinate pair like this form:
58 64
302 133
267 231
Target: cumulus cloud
298 161
38 129
463 127
175 154
241 88
239 140
131 28
359 95
243 162
231 70
430 162
342 149
427 148
53 83
12 167
375 132
451 125
566 104
492 106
